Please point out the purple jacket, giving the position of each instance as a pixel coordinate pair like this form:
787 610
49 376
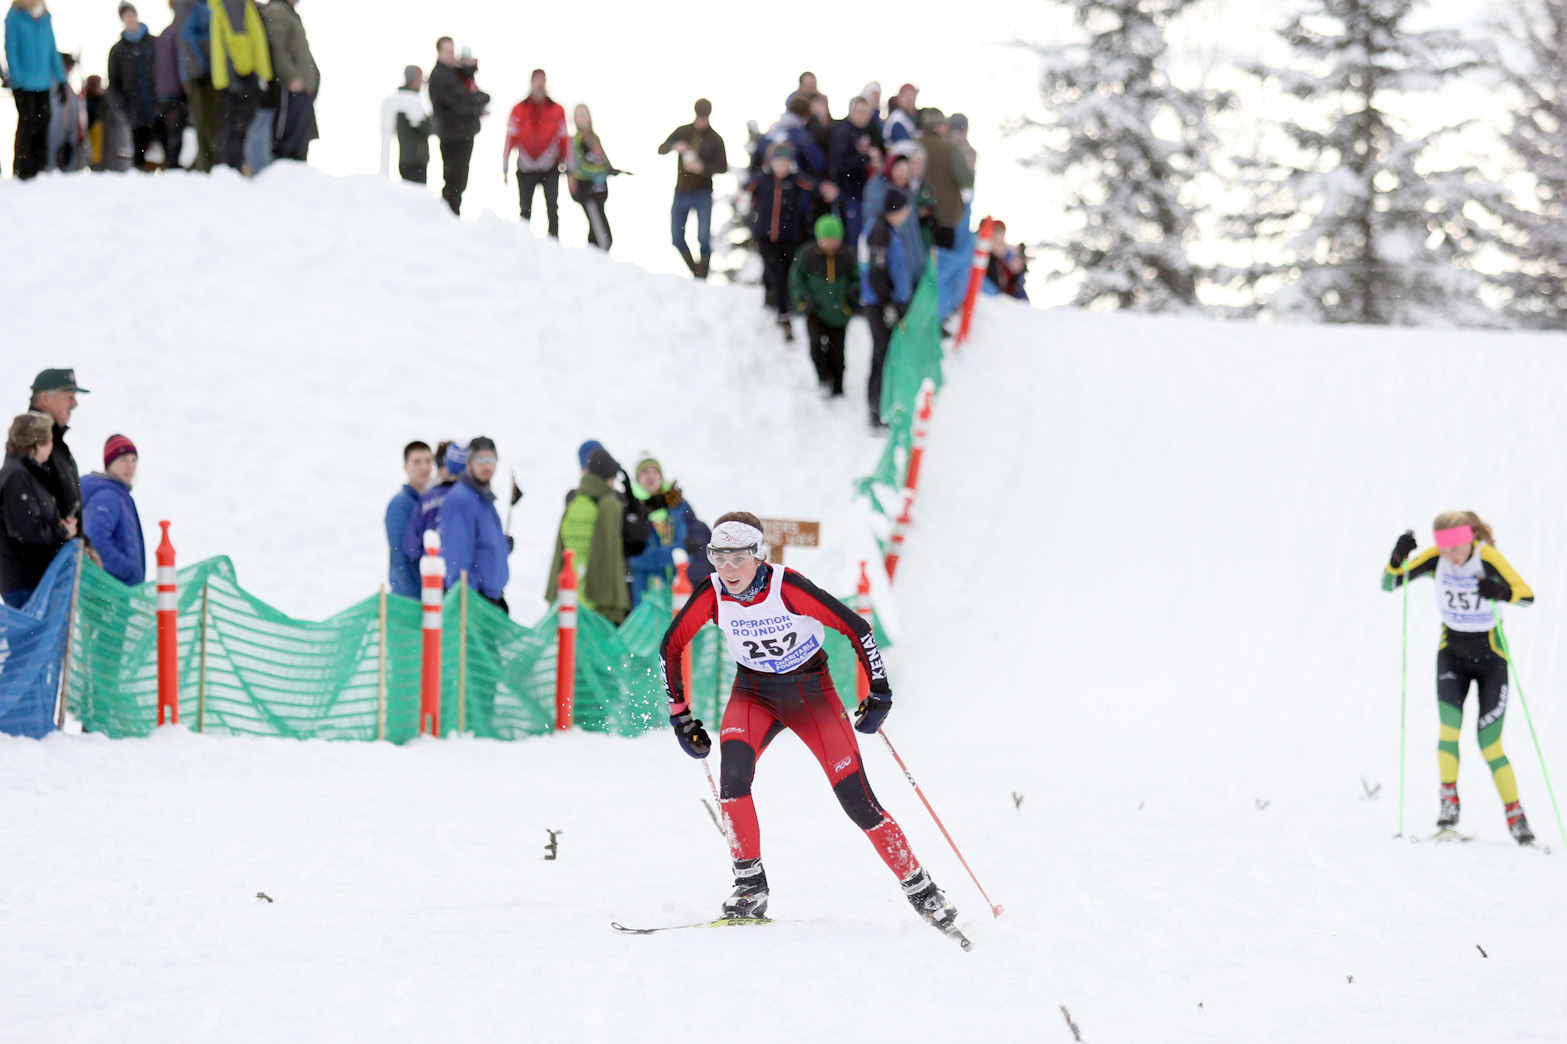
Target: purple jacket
167 64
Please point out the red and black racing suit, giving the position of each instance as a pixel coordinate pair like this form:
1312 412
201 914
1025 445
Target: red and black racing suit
803 701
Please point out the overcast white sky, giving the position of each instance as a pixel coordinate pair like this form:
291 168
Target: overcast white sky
640 66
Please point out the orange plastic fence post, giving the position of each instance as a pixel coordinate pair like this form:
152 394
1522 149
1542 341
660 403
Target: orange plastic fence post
432 578
566 631
976 277
862 605
168 634
923 405
679 595
900 530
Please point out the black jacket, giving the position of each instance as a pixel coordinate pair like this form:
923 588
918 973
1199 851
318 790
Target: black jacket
133 78
30 527
456 108
63 478
709 149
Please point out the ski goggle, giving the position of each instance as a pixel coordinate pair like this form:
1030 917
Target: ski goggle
731 556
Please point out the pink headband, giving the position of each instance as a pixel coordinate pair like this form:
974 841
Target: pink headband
1455 537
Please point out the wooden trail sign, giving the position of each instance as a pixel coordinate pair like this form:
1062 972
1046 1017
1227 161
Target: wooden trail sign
783 532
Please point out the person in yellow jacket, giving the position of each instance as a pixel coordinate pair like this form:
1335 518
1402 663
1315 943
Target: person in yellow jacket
241 70
1472 579
590 527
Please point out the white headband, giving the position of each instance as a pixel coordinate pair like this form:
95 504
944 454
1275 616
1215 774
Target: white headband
737 536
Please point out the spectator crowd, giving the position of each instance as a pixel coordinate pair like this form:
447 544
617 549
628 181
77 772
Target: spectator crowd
45 501
627 534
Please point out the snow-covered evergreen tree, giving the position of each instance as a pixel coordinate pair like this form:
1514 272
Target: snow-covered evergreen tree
1536 235
1366 234
1127 142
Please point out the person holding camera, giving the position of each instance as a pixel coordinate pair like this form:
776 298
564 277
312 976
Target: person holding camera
457 104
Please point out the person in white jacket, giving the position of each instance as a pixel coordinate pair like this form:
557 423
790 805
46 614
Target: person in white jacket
406 116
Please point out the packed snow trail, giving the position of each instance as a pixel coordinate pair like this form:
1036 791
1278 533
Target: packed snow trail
1143 668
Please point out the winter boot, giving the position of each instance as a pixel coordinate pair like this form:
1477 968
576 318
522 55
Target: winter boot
787 327
928 901
1447 818
750 895
685 255
1518 826
702 266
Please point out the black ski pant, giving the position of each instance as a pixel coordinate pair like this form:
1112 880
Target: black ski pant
412 172
549 180
173 114
826 352
591 200
455 155
236 111
881 341
32 133
776 259
296 126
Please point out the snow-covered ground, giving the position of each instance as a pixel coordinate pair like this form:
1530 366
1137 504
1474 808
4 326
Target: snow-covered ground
1144 665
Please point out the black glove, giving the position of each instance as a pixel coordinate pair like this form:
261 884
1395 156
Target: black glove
692 736
1496 589
889 315
873 711
1403 549
511 544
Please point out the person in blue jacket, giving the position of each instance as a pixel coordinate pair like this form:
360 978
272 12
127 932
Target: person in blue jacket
780 211
109 516
36 70
450 458
677 534
886 287
403 571
472 537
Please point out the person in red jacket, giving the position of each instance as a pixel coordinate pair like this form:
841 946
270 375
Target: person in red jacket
537 133
774 622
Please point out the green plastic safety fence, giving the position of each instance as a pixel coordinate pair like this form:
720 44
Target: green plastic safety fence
246 668
913 357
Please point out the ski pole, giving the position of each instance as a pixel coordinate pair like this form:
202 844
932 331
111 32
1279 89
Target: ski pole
1403 706
723 820
995 910
1517 684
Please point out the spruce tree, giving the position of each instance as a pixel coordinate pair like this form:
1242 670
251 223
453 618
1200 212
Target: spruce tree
1366 235
1536 235
1131 184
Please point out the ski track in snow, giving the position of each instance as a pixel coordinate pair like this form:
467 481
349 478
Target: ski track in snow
1141 592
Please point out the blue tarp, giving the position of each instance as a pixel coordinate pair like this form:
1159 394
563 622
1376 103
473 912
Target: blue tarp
32 649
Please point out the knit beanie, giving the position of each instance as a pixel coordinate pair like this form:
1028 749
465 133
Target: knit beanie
117 447
600 463
896 200
585 449
456 459
829 226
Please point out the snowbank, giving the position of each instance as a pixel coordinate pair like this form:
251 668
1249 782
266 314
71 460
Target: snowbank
1145 667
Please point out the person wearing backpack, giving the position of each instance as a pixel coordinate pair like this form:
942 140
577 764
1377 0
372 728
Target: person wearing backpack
591 527
241 69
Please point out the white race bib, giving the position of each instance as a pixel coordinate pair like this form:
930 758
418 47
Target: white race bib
1458 598
766 636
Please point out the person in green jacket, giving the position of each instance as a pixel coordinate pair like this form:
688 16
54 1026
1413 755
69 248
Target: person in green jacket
824 286
591 528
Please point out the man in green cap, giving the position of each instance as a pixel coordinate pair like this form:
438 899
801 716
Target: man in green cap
824 286
54 393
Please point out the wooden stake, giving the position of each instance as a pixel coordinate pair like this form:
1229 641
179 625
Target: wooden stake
462 651
380 690
64 692
201 673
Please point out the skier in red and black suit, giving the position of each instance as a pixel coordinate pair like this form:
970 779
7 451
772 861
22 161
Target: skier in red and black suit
774 621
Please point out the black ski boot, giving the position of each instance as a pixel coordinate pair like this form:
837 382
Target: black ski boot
1447 817
1518 826
750 895
702 266
929 902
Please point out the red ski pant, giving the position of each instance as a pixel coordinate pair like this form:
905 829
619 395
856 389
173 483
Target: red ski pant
805 702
